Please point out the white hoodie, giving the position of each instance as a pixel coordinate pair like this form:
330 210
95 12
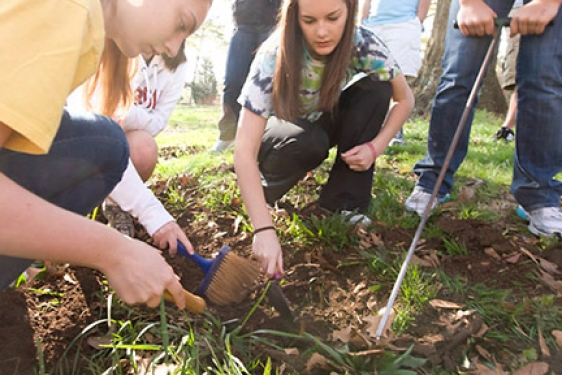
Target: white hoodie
157 91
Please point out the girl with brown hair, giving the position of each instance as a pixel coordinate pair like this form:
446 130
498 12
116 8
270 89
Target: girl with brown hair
303 95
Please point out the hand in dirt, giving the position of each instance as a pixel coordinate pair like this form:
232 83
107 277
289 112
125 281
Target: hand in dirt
167 236
142 277
267 250
358 158
533 17
476 18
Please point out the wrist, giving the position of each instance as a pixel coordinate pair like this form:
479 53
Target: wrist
371 147
263 229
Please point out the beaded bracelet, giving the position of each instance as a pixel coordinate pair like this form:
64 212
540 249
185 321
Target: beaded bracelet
373 150
256 231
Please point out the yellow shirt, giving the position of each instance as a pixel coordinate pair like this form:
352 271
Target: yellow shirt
47 48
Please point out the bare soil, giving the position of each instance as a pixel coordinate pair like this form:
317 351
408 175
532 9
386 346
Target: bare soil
328 291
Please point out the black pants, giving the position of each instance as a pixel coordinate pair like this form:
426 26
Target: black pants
289 150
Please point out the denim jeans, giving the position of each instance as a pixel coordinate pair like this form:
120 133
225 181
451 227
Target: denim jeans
243 45
87 159
289 150
538 151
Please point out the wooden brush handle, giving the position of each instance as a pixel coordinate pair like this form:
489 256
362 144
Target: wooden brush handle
193 303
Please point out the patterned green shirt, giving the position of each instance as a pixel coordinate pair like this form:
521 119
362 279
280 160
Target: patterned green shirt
371 57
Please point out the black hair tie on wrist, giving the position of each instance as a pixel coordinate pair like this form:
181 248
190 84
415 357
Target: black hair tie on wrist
269 227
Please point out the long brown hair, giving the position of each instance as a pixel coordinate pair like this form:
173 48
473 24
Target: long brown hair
288 68
113 78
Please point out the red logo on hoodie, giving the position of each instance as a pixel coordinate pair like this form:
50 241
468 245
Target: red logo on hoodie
143 99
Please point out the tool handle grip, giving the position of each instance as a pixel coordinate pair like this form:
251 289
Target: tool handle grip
499 22
204 263
194 304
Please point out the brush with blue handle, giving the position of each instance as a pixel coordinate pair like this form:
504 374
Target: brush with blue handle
228 276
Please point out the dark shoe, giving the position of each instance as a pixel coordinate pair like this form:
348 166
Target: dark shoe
119 219
506 134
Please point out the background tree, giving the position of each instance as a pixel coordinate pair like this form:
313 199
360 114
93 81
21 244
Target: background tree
204 86
425 86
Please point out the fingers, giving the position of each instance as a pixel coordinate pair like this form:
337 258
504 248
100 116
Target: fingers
526 26
153 301
267 251
478 28
188 246
280 269
172 291
271 268
476 19
359 158
143 277
176 290
167 236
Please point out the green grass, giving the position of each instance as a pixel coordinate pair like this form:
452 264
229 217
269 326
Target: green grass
204 345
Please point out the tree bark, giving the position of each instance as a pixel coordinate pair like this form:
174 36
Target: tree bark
425 85
492 97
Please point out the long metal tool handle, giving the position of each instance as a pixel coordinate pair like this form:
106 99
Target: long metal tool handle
427 211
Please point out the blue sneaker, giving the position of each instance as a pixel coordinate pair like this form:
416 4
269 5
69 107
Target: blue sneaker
522 213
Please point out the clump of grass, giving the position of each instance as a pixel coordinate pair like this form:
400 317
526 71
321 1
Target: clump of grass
453 247
333 232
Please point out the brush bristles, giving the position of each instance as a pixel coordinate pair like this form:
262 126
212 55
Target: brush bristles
232 280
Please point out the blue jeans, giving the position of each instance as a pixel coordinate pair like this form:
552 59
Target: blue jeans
538 151
87 159
243 45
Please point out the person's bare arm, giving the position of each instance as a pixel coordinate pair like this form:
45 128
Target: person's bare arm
401 108
360 157
266 246
33 228
423 8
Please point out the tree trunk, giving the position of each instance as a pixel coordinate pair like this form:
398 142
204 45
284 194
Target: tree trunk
492 97
425 85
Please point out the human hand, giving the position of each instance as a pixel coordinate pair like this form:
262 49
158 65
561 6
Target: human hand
167 237
533 17
361 157
139 274
476 18
267 250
